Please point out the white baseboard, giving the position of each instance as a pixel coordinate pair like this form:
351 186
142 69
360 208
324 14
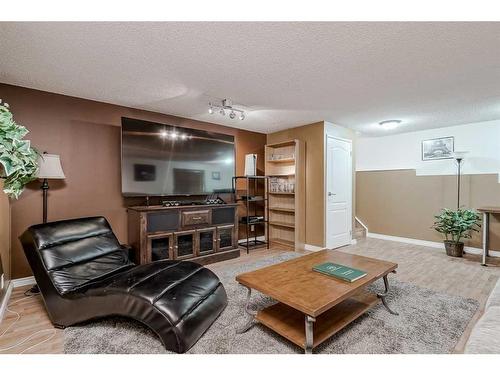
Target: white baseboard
437 245
313 248
5 301
30 280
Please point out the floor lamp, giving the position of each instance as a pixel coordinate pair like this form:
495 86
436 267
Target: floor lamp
459 158
49 168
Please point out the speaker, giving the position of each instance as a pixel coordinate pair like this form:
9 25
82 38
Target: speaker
163 221
223 215
251 165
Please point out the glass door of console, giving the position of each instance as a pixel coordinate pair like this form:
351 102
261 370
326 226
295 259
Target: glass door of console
184 244
207 241
159 247
225 237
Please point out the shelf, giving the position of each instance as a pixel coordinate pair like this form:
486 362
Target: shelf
281 144
253 222
282 224
281 193
253 199
289 322
283 242
282 209
250 177
279 161
252 243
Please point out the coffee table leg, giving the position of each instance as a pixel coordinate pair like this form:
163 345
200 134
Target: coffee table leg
250 314
309 320
383 295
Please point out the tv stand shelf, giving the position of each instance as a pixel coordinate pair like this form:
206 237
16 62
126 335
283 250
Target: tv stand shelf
200 233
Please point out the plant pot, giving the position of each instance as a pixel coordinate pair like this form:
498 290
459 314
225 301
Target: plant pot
454 249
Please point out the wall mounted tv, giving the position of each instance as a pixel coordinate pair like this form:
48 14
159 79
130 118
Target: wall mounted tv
163 160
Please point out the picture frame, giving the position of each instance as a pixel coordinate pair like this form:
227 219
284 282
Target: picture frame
438 148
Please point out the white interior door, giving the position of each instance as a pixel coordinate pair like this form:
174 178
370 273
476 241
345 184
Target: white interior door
338 192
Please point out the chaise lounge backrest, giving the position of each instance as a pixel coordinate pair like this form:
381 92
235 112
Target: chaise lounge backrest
75 253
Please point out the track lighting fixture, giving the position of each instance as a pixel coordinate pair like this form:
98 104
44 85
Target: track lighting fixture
226 104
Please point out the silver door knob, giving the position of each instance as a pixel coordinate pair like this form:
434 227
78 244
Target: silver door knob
330 194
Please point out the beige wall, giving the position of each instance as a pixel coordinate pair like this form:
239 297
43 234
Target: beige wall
4 233
399 203
313 137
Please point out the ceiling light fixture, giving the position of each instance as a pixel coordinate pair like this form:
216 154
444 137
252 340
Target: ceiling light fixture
389 124
226 104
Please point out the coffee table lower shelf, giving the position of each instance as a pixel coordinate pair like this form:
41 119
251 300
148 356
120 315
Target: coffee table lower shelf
289 322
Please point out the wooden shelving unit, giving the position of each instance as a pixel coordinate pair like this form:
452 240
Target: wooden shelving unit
285 167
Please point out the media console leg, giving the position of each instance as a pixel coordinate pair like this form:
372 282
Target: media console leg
309 322
250 314
383 295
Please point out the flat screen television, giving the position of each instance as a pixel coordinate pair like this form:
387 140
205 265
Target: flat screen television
164 160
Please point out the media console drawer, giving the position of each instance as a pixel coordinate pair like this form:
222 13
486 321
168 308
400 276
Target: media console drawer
195 217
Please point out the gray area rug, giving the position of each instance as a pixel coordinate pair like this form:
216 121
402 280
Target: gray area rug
429 322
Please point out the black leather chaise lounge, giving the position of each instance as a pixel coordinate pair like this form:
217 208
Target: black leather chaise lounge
84 273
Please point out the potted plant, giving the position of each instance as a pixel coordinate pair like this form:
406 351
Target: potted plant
455 225
18 160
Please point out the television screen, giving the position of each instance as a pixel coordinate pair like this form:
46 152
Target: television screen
160 159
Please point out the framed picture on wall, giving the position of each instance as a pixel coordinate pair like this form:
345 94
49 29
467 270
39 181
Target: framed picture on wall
438 148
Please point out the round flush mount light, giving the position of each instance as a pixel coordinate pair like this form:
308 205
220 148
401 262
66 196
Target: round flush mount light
389 124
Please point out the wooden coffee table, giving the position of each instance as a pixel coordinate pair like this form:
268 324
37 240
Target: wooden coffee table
311 306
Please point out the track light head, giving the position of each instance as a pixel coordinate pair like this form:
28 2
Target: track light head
226 105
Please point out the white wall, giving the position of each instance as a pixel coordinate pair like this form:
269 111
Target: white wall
403 151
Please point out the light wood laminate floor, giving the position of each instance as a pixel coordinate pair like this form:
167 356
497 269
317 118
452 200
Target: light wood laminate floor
426 267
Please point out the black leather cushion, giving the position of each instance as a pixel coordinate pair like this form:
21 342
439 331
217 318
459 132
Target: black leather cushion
77 252
174 287
81 275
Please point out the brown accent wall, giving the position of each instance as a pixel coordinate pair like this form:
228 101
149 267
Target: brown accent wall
399 203
4 234
313 137
86 134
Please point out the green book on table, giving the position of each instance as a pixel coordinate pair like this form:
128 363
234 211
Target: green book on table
339 271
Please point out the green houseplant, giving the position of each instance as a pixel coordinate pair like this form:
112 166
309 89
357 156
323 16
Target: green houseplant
455 225
18 160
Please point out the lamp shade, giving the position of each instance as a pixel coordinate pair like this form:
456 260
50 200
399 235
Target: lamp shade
459 155
50 167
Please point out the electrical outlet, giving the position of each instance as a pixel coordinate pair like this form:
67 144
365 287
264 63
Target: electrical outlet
252 228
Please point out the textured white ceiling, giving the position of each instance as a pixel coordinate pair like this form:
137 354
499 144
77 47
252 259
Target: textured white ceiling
284 74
